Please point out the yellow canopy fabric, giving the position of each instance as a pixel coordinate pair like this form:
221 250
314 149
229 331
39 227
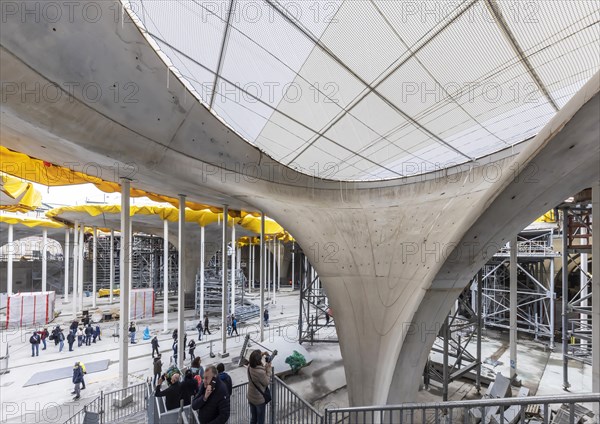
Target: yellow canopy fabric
26 197
29 222
201 217
547 217
46 173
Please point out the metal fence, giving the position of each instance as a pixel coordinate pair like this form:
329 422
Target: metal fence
106 407
543 409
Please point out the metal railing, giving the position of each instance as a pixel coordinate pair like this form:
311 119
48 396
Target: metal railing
506 410
105 408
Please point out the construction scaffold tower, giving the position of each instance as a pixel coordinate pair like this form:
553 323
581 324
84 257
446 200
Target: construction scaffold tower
315 322
147 266
576 220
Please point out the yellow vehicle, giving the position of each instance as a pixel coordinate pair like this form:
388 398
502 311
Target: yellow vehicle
106 292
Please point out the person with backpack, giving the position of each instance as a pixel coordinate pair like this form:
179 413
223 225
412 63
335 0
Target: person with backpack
225 378
80 336
77 379
35 344
61 340
88 335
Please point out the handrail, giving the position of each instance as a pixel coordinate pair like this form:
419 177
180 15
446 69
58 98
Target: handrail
300 398
550 399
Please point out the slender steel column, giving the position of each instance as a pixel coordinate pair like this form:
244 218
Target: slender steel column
262 276
165 275
112 266
224 287
44 252
565 298
202 259
94 266
124 283
180 287
233 266
513 308
66 253
11 258
75 267
596 292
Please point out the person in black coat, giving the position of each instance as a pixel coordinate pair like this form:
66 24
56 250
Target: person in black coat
212 401
189 387
154 343
171 393
71 340
225 378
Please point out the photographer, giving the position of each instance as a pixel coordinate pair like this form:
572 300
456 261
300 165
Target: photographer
259 377
212 401
172 393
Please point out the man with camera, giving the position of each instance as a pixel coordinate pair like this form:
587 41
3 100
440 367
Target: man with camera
212 401
172 394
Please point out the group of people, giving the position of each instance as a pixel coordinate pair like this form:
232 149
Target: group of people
208 391
84 334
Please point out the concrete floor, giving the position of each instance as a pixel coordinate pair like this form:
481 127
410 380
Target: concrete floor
323 383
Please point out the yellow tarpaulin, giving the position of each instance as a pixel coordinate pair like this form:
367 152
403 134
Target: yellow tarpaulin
201 217
29 222
46 173
547 217
21 196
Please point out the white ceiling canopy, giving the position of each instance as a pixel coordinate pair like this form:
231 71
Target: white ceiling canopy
378 89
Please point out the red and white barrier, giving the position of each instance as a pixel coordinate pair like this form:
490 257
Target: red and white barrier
30 309
141 303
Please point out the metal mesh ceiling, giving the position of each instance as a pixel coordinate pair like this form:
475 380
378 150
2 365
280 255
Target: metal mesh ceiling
368 90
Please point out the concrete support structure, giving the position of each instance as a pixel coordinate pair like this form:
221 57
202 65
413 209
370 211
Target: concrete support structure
596 290
111 278
165 276
125 278
180 283
10 259
224 290
262 277
94 266
75 267
202 276
66 254
44 252
513 307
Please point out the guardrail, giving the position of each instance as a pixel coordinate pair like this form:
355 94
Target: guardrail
507 410
112 406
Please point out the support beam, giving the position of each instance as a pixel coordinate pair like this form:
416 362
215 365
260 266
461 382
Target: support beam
583 285
513 308
66 254
75 267
124 284
250 265
274 280
262 276
80 266
224 292
11 258
552 299
233 266
94 266
565 297
202 279
111 279
44 259
596 291
165 276
293 265
180 287
479 326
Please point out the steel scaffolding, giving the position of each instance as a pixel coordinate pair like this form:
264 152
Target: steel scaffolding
577 281
535 286
147 266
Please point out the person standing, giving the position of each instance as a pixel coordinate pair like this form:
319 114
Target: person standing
71 340
212 401
192 347
196 367
266 317
175 352
225 378
80 336
157 368
200 329
154 343
35 344
61 340
43 336
132 331
234 325
84 371
77 379
98 332
172 394
206 330
259 377
88 335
